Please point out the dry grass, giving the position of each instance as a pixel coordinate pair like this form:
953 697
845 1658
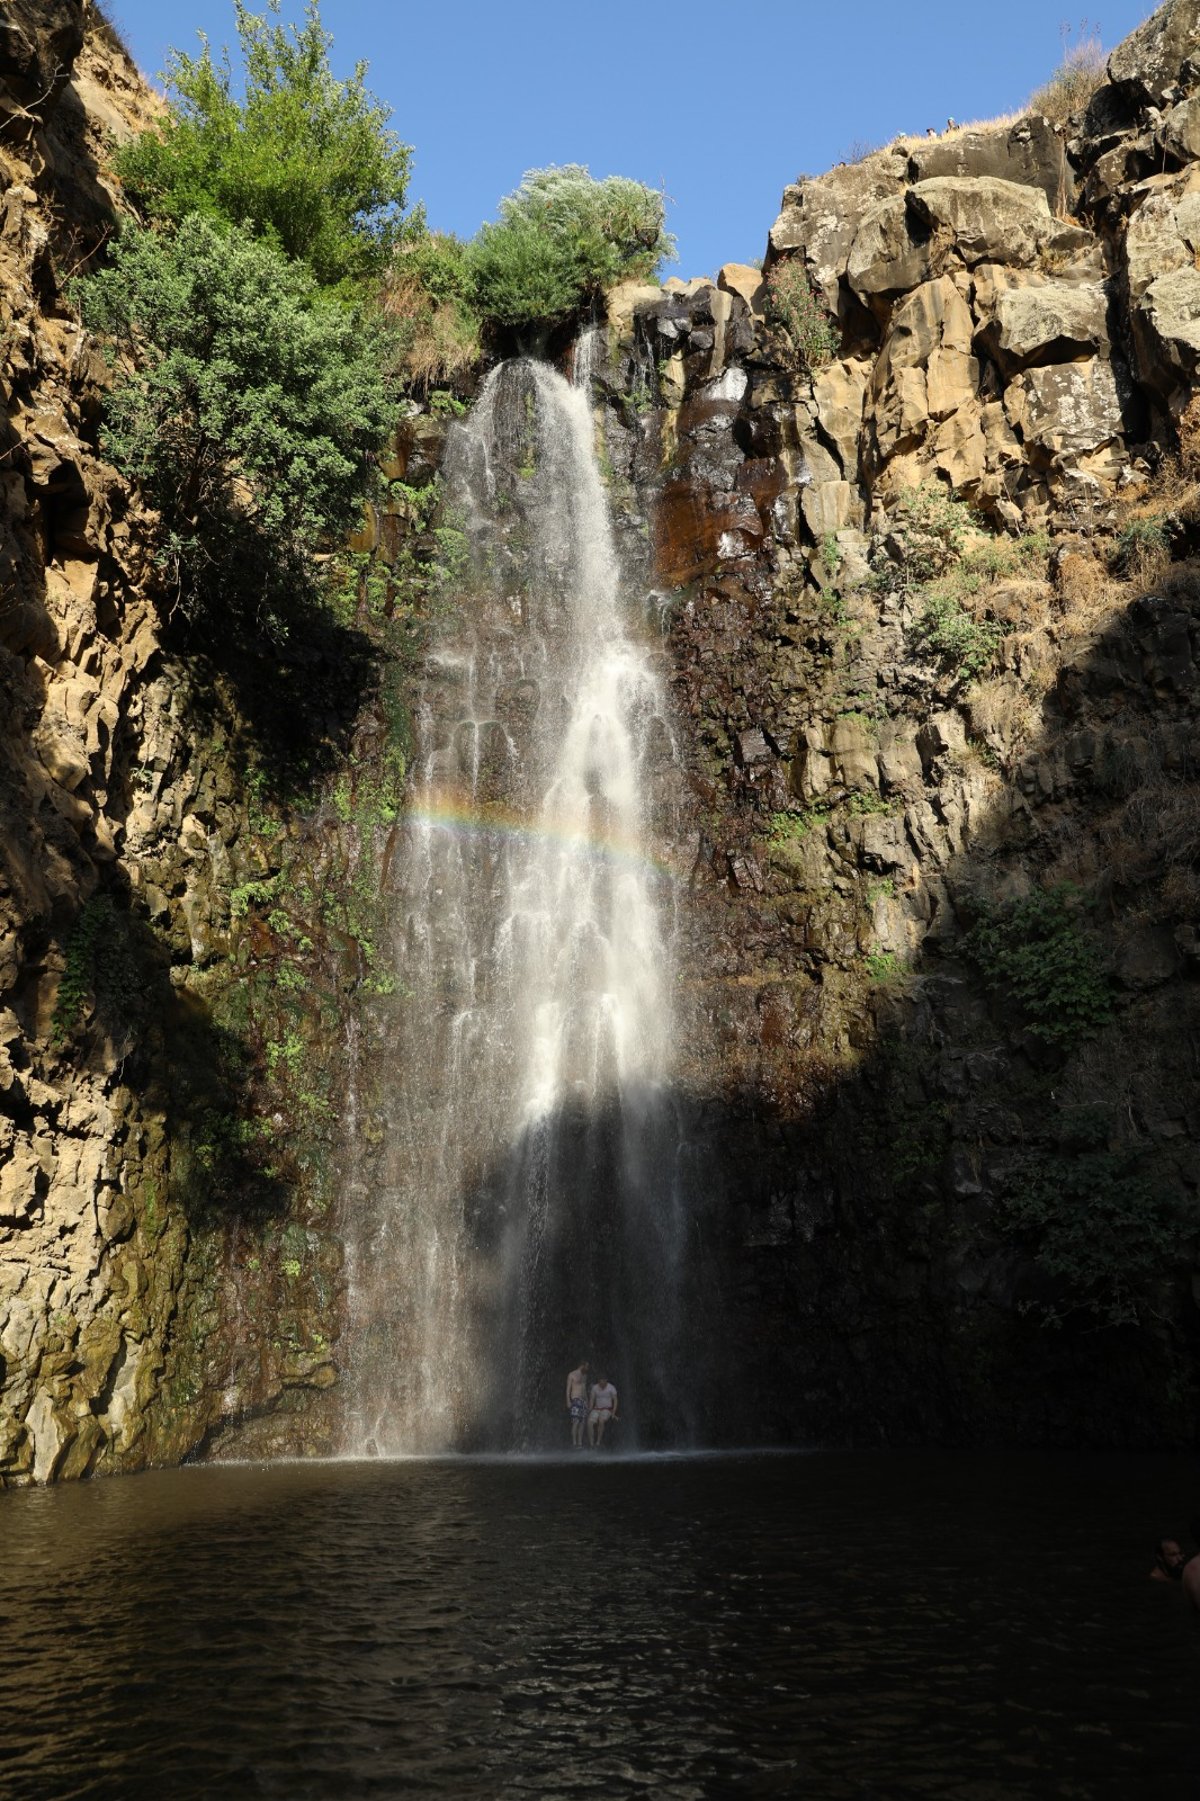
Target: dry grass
910 141
1003 714
101 22
1082 70
438 342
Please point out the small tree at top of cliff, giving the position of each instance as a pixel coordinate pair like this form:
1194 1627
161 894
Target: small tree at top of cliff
250 410
562 237
306 160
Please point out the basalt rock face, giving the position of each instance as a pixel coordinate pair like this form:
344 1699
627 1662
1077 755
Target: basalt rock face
931 612
163 1262
949 1194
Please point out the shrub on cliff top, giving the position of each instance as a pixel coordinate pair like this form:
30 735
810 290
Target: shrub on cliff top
561 237
307 160
428 295
249 409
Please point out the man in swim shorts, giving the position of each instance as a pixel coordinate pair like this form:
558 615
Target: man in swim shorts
577 1403
603 1411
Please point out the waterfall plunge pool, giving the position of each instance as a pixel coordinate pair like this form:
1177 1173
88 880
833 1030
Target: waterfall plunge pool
826 1625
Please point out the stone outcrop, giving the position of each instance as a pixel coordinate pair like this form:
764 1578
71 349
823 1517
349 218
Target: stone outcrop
915 694
876 1118
150 1281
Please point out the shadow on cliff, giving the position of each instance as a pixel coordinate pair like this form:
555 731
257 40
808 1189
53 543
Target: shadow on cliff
120 1015
287 702
989 1223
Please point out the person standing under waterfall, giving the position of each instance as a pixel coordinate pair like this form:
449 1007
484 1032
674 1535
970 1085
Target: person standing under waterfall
577 1402
603 1411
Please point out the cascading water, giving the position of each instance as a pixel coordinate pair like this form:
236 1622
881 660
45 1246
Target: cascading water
531 1211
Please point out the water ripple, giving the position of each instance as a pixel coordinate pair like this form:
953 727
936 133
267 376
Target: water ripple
826 1627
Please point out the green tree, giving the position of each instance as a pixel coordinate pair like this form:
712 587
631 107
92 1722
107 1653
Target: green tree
307 160
249 407
562 237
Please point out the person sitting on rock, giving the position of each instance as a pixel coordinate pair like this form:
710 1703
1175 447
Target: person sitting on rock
604 1411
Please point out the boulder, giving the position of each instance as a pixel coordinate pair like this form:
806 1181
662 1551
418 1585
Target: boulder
1179 130
623 301
989 220
1069 409
926 372
1053 322
743 279
1163 234
1167 328
1031 152
884 257
852 744
822 218
1158 62
838 393
831 507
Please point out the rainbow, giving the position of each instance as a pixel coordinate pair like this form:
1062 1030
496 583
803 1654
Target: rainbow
464 818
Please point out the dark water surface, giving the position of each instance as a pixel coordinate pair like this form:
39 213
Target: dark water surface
824 1626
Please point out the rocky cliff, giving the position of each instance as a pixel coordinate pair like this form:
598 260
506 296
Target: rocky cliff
925 579
184 886
933 612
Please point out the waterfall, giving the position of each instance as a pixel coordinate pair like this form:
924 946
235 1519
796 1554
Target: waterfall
530 1211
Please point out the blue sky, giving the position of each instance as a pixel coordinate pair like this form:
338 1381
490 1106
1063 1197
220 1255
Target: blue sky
720 104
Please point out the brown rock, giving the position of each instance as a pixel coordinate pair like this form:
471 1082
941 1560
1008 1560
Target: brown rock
743 279
821 218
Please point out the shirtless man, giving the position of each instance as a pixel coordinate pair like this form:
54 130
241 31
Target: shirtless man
577 1403
603 1410
1191 1569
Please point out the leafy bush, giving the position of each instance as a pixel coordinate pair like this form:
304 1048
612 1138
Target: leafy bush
792 305
1033 952
1100 1227
307 160
524 275
933 529
253 411
562 237
960 643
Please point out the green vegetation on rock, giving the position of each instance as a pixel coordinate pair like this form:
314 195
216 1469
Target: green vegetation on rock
793 305
562 238
1102 1229
1034 952
303 160
250 415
